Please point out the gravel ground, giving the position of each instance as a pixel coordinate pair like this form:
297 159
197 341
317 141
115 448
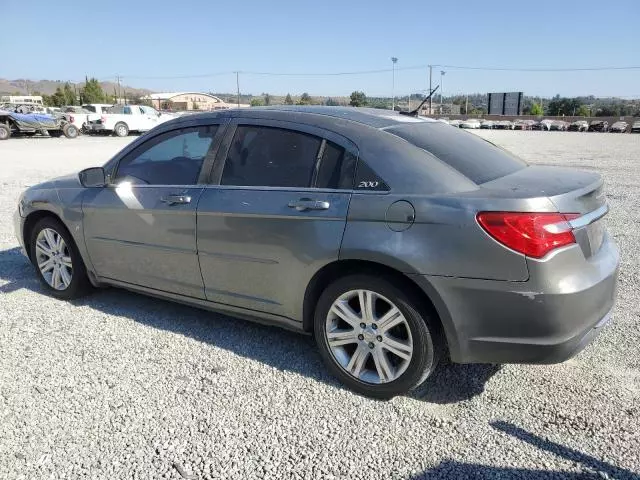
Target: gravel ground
119 385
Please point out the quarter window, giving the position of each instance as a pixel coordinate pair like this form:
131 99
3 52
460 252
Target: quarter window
337 168
270 157
173 158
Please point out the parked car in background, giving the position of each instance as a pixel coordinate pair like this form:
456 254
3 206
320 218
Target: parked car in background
28 124
599 126
635 127
487 124
122 119
53 110
619 127
503 125
520 124
579 126
559 125
470 123
97 107
395 240
546 124
455 123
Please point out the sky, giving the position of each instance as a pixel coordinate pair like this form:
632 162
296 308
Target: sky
200 43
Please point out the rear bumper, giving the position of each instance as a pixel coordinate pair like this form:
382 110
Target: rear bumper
547 319
92 127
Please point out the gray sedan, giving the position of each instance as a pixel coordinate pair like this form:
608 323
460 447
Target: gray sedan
395 240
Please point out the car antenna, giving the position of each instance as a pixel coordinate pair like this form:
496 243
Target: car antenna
414 112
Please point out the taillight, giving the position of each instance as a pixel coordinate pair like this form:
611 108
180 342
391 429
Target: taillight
533 234
103 119
71 119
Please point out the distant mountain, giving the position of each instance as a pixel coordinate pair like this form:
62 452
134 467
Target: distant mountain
48 87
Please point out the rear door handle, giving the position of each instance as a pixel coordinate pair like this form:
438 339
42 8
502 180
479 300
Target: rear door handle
176 199
308 204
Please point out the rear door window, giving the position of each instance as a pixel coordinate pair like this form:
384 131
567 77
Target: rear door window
262 156
475 158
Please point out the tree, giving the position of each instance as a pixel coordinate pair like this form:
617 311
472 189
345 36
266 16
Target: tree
583 111
563 106
305 99
69 95
267 99
92 91
358 99
288 100
331 102
536 109
257 102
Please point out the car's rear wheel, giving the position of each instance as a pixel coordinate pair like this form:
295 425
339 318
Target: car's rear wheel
374 337
70 130
121 129
56 257
5 132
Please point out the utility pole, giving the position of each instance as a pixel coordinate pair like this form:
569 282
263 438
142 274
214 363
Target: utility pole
119 94
238 87
430 104
394 60
442 72
466 105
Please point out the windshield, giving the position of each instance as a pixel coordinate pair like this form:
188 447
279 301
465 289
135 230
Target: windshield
475 158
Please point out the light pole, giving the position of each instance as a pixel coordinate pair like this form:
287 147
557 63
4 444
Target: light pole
394 60
442 72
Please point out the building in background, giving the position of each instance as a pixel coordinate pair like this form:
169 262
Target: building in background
188 101
22 99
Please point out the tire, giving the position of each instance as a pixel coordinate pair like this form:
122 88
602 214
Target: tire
121 129
5 131
75 283
416 331
70 130
55 133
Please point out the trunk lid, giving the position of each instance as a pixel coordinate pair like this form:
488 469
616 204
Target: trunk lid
570 191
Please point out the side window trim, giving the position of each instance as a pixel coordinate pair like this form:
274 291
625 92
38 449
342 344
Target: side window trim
316 167
206 164
326 135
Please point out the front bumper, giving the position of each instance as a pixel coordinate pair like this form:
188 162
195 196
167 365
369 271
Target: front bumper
547 319
18 226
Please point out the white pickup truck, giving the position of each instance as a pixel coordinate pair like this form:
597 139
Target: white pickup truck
122 119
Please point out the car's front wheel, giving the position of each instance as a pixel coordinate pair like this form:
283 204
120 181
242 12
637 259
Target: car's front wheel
374 337
56 257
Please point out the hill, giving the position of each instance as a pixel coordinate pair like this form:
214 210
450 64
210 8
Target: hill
23 86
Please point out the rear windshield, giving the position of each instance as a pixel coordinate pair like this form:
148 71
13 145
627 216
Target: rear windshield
475 158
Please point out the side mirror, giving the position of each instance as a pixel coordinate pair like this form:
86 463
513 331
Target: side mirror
92 177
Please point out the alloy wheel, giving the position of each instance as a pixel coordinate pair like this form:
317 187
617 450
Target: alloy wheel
369 337
54 259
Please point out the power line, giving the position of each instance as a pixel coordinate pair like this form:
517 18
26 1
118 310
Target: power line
506 69
328 74
380 70
175 77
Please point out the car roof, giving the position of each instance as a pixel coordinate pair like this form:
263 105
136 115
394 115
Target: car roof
372 117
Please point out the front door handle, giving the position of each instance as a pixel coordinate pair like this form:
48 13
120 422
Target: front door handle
308 204
176 199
